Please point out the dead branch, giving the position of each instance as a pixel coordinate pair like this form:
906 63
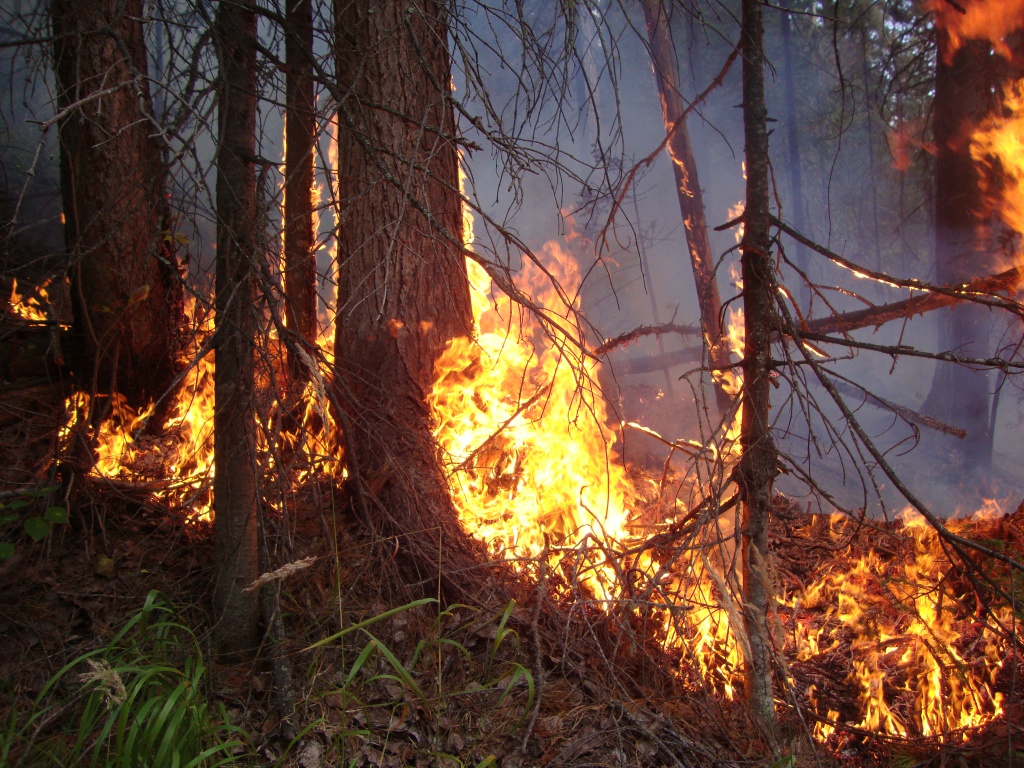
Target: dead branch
645 330
465 462
856 390
982 290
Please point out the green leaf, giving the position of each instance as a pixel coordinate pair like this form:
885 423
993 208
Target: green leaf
373 620
5 519
6 550
18 503
55 515
37 528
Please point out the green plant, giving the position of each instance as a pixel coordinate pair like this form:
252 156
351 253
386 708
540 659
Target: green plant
23 512
496 678
139 701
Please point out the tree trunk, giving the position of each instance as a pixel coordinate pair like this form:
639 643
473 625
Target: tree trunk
300 278
234 488
756 471
126 293
966 89
796 183
691 202
403 291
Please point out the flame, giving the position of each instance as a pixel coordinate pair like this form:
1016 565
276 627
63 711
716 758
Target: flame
998 147
990 20
29 307
907 638
526 440
522 427
183 451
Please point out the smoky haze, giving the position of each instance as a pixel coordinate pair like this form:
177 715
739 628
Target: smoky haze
857 137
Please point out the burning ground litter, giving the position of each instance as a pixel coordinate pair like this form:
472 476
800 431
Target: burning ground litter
878 631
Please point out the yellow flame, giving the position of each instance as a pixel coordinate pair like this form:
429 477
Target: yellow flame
29 307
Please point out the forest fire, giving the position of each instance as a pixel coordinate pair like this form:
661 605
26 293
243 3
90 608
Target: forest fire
124 450
881 635
890 625
672 465
533 469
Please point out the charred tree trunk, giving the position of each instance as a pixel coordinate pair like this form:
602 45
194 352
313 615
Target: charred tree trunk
691 202
300 278
966 89
756 470
234 488
126 293
403 291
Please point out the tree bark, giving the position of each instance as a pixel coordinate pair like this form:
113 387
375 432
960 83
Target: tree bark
403 291
756 470
967 88
691 202
300 277
126 292
234 488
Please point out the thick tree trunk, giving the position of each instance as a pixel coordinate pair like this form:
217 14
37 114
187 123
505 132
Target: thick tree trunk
403 291
126 295
756 471
966 89
234 488
691 201
299 256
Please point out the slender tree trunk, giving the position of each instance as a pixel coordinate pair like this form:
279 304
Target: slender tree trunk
234 489
691 202
796 182
126 294
869 107
300 277
967 87
756 471
403 291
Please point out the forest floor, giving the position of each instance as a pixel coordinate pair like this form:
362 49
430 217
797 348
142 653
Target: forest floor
424 685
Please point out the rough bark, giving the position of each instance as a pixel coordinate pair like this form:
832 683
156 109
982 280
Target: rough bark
966 89
234 488
403 291
300 278
126 295
757 465
691 202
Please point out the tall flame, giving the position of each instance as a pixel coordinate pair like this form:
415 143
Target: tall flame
522 426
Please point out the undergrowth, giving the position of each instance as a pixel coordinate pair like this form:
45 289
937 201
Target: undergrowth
140 701
137 702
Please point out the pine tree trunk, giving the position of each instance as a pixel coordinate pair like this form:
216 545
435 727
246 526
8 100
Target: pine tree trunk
691 201
403 291
126 294
756 471
300 278
234 489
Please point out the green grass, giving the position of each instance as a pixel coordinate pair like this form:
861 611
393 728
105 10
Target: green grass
138 702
